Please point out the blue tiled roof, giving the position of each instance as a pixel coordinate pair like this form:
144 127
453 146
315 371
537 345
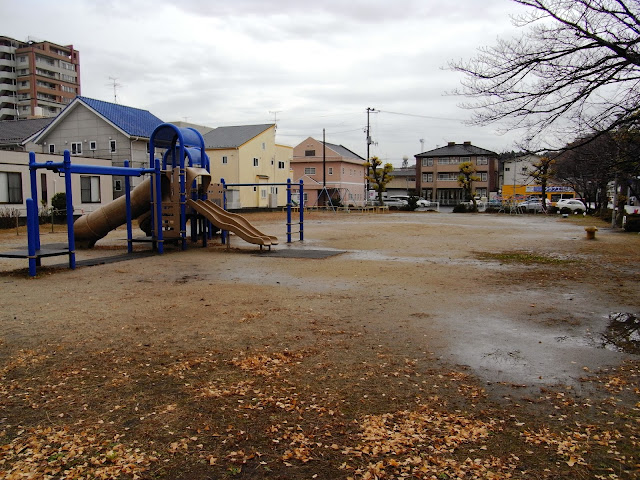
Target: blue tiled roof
133 121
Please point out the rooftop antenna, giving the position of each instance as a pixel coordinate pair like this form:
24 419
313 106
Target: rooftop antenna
275 116
115 88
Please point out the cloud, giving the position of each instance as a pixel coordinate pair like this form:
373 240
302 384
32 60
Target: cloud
318 64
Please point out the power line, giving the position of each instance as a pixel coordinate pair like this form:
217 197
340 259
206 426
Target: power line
420 116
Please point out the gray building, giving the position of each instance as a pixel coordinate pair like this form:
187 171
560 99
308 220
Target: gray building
95 129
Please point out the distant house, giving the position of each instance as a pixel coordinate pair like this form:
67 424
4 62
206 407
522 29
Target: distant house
18 135
95 129
403 181
437 172
328 165
248 154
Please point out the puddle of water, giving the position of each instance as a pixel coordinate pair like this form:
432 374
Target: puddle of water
622 333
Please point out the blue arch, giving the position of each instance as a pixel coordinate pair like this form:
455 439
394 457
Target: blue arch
180 143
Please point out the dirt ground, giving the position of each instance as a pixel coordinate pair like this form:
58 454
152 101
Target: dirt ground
423 345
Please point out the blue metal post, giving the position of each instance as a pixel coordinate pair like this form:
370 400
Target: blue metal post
34 197
223 233
158 191
31 237
69 195
127 195
183 198
288 210
301 211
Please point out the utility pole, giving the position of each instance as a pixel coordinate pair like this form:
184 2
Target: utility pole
324 161
368 132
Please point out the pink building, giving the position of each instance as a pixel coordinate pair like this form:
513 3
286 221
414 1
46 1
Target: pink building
343 174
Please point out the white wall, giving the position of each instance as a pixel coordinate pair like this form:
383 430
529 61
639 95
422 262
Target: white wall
19 162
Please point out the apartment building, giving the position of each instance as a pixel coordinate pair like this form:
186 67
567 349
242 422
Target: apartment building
332 167
249 155
437 172
37 78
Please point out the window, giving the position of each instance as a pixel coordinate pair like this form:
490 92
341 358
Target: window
225 160
112 146
281 165
264 146
52 148
263 193
343 170
482 161
117 185
22 59
43 188
330 171
274 190
483 176
93 145
309 170
448 177
255 162
427 177
525 169
10 187
90 189
76 148
507 169
427 162
309 153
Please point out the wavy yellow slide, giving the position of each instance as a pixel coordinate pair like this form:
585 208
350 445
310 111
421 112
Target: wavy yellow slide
231 222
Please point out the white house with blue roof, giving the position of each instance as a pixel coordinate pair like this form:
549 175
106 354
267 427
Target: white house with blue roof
96 129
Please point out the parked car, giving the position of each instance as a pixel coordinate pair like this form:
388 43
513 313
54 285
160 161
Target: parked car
395 203
420 203
573 205
531 205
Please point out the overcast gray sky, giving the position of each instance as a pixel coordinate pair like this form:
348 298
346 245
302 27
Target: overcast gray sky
311 65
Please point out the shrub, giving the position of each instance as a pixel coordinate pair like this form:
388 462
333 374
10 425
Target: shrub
8 217
461 208
59 204
633 223
412 202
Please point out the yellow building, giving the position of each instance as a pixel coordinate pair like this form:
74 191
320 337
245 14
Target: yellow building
248 154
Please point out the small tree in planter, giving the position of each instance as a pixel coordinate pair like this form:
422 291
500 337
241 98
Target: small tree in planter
465 180
379 176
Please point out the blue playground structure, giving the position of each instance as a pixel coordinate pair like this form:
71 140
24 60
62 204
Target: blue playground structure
181 180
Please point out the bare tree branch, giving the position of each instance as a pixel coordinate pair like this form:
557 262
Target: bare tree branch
575 70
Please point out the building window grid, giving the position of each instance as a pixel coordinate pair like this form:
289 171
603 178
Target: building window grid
309 170
90 189
10 187
225 160
256 162
76 148
448 177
